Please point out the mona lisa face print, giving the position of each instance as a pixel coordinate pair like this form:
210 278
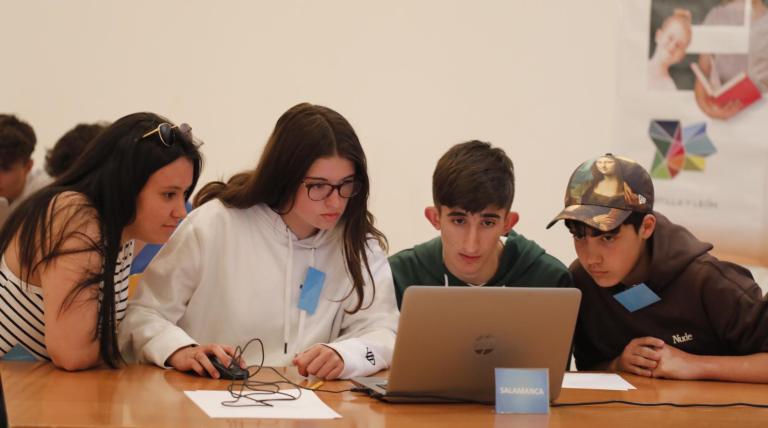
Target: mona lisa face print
604 191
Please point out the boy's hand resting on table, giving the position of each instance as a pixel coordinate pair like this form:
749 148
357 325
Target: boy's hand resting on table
641 356
676 364
651 357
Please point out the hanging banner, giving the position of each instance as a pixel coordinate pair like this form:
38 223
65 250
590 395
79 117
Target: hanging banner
691 108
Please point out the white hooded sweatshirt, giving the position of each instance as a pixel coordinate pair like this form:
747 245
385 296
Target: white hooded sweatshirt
228 275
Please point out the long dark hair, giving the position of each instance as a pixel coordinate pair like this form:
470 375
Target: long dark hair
302 135
109 174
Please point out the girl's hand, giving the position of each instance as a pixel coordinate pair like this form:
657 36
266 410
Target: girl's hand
320 361
195 358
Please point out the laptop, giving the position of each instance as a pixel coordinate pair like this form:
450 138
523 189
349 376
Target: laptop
450 340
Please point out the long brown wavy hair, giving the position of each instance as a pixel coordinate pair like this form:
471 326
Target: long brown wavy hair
302 135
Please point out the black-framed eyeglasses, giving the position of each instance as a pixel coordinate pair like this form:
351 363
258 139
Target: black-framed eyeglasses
167 135
318 191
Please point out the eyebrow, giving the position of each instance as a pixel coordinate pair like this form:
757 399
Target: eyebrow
325 179
463 214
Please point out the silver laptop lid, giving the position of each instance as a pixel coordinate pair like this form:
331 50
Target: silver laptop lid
450 339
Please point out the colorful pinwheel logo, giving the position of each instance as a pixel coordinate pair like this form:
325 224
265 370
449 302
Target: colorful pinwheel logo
679 148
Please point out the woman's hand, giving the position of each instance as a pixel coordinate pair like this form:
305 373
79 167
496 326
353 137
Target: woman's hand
706 102
195 358
320 361
711 108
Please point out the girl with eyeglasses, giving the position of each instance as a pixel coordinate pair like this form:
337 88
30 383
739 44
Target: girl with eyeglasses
66 251
286 253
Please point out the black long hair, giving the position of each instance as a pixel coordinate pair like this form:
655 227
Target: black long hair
108 176
302 135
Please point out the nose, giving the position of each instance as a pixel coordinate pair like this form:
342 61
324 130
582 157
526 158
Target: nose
179 210
472 240
334 200
592 253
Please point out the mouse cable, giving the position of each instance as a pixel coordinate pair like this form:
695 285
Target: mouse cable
247 392
258 388
255 389
658 404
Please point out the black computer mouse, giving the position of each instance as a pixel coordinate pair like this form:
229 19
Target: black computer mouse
233 372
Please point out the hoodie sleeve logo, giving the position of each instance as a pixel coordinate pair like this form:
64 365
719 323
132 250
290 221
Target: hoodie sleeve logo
369 356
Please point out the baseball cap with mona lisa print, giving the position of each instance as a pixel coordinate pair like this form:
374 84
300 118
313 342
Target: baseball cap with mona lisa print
604 191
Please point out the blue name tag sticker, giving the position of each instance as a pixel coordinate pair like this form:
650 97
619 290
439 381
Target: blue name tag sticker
19 353
522 390
637 297
310 290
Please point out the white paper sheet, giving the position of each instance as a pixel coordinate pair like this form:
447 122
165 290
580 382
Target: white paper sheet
609 381
308 406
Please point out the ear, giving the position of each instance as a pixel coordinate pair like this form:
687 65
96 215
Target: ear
28 166
648 226
433 216
510 221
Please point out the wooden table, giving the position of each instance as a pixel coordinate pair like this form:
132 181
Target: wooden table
37 395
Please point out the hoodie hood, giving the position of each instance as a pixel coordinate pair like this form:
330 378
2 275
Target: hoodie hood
284 237
283 233
518 256
673 248
523 263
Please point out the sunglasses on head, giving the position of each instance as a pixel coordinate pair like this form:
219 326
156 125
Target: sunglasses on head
167 135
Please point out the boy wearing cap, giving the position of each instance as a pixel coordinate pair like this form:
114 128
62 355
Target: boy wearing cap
654 301
472 187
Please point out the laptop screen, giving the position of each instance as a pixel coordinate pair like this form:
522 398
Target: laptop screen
450 339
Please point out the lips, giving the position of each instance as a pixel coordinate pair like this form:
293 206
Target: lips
469 259
331 216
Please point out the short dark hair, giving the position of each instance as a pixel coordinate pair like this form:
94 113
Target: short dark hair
580 229
473 176
70 146
17 140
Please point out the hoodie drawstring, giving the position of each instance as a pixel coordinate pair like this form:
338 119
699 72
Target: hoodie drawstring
303 313
287 292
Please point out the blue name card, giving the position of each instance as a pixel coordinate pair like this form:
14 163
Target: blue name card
637 297
522 390
310 290
18 353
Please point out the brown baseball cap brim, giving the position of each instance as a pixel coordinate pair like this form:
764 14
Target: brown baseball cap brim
596 216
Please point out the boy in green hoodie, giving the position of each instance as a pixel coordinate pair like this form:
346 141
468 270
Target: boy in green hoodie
654 301
472 188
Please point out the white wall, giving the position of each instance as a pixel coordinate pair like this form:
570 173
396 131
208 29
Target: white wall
414 77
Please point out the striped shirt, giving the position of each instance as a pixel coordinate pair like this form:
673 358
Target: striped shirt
21 306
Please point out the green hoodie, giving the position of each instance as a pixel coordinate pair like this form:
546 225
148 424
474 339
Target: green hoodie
523 264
